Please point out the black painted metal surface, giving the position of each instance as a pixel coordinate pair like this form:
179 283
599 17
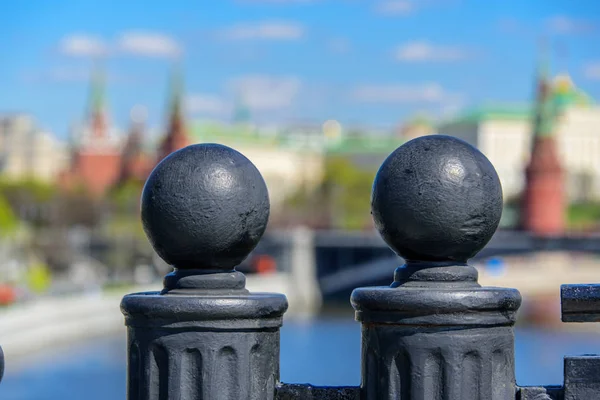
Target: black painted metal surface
309 392
580 303
1 364
540 393
204 208
582 378
435 333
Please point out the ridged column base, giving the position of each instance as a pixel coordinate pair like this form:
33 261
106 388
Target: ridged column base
437 343
203 347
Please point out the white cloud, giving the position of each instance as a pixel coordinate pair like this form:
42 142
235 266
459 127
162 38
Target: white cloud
77 73
264 92
564 25
431 93
268 30
81 45
151 44
395 7
68 74
200 103
61 74
425 51
592 70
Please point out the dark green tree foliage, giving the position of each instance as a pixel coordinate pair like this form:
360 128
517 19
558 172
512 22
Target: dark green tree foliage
29 200
8 220
340 201
584 216
125 205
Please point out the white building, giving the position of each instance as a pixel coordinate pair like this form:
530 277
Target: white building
287 162
504 136
26 151
293 158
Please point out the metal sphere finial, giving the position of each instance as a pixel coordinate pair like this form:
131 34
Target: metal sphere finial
436 198
205 206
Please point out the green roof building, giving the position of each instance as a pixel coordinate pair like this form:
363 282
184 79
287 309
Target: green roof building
504 134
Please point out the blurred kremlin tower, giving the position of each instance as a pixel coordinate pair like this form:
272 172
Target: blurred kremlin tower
136 163
95 154
176 137
101 160
544 202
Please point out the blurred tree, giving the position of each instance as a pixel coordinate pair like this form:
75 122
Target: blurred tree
125 205
38 277
78 209
9 222
42 204
129 245
30 200
126 196
340 201
511 213
584 216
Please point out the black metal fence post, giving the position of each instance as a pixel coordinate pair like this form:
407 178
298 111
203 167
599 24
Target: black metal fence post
581 303
435 333
1 364
204 208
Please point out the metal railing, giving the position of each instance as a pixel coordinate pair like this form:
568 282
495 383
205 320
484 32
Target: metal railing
433 334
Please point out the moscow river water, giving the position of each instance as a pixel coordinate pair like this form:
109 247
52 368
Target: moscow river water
324 351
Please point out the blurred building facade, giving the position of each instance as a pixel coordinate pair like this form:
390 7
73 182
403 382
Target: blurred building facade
176 136
293 158
288 160
102 157
27 151
136 160
418 126
505 135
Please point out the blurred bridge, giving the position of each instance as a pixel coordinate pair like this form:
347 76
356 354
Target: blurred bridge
313 267
344 261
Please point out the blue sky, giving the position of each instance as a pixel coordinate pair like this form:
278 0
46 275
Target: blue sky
371 62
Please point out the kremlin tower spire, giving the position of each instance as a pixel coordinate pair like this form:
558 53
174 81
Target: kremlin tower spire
95 161
97 111
543 207
176 137
134 162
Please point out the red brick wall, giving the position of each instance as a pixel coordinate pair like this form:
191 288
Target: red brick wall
97 171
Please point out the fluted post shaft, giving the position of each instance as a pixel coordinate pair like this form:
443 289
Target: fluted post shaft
203 346
421 343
